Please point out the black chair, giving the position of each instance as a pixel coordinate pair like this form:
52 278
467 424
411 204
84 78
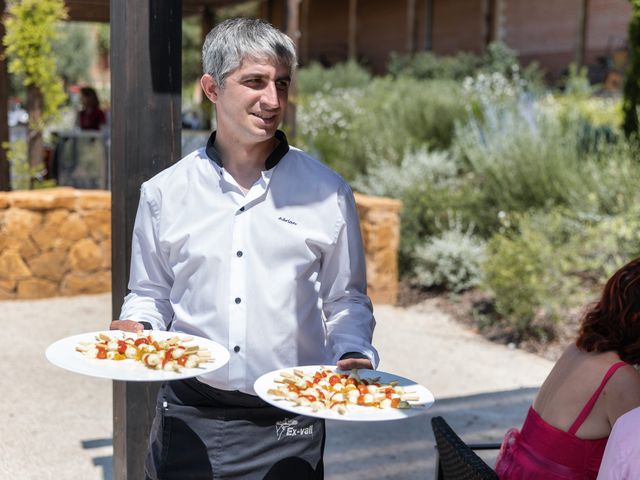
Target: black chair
455 460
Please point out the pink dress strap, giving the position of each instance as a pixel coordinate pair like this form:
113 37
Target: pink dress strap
592 401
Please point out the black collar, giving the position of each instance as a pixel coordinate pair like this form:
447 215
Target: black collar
272 160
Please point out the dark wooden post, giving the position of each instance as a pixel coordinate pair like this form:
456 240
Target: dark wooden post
303 55
352 30
428 25
411 26
5 171
581 43
145 136
293 31
206 107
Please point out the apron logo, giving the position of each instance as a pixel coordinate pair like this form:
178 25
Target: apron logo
288 428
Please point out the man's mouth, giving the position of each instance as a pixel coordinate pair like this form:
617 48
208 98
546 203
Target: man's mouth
264 116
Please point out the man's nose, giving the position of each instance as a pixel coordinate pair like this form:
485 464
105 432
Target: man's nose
270 96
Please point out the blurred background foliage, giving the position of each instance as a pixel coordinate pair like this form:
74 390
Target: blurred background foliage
523 192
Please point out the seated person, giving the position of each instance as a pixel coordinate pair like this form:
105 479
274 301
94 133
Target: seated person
621 459
90 117
592 384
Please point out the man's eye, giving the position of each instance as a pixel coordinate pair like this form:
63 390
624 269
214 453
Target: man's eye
254 82
282 85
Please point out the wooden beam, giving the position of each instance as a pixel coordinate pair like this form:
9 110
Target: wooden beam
352 40
490 15
411 26
428 25
304 32
206 107
581 43
145 136
293 31
5 171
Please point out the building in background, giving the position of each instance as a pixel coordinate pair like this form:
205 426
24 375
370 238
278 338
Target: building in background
552 33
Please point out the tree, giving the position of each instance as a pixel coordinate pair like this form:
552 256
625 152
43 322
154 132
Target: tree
31 26
632 78
74 50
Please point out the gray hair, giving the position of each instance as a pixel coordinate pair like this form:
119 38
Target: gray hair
236 39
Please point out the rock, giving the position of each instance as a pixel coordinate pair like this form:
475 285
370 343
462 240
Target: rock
36 288
78 283
19 223
12 267
99 223
73 228
51 265
85 256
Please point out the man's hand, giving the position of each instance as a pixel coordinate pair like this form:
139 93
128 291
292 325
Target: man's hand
354 363
126 326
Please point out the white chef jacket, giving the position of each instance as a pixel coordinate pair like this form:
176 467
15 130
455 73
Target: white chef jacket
277 275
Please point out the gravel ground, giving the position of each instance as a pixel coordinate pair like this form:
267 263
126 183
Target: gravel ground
58 425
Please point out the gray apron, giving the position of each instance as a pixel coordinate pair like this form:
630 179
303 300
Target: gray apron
202 433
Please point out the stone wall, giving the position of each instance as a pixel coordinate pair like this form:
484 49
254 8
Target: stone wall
58 242
54 242
380 226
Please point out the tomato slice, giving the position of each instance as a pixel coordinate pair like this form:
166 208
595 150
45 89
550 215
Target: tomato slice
122 347
102 353
140 341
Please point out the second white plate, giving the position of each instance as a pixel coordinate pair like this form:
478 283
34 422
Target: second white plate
354 413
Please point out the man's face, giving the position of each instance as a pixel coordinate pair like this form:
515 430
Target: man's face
252 103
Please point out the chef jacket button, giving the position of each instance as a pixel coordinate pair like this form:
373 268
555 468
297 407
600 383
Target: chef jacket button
238 300
242 209
239 253
236 349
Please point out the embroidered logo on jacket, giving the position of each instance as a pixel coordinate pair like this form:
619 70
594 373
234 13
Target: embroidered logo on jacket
288 428
286 220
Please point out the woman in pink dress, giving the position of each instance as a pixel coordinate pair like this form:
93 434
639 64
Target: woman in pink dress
592 384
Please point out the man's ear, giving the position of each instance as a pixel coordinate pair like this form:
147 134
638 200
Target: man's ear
209 87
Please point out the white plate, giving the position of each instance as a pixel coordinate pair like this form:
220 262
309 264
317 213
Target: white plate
354 413
63 354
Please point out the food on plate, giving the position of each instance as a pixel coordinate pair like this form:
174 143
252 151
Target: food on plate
327 389
171 354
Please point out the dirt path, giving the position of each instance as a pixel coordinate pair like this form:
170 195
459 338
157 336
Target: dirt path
60 423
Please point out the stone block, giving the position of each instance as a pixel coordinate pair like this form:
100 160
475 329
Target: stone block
78 283
105 248
44 199
7 294
12 267
19 223
8 285
51 265
4 200
94 200
73 228
99 223
85 256
36 288
28 248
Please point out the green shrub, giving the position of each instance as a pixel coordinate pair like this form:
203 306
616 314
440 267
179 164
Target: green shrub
428 66
451 260
316 78
351 129
546 264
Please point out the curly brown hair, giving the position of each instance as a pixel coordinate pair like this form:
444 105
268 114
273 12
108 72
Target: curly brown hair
613 323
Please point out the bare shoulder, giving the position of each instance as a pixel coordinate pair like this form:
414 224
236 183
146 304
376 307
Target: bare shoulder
622 392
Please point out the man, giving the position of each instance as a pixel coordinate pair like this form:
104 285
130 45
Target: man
255 245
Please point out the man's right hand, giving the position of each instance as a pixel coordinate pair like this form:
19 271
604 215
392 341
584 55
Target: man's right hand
126 326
